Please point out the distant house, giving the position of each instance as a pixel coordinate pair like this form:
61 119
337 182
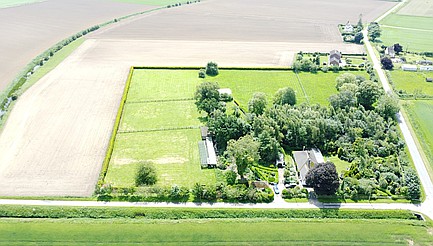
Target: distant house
305 160
409 67
424 62
428 79
207 153
389 51
348 27
426 68
334 58
227 91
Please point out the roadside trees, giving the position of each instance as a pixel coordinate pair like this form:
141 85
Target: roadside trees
386 63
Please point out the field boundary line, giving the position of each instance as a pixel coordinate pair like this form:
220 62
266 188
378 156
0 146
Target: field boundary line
407 28
161 100
160 129
110 148
303 89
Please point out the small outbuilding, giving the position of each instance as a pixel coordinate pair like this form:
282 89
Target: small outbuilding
426 68
428 79
424 62
409 67
208 158
280 163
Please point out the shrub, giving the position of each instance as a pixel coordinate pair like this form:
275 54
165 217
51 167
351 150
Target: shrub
231 177
212 69
146 174
202 74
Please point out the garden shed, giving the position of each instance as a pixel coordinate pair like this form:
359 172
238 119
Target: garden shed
409 67
428 79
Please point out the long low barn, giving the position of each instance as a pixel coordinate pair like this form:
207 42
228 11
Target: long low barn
207 153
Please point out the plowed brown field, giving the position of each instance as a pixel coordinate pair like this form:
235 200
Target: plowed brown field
28 30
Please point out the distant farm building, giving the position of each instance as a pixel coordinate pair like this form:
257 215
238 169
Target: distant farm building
389 51
426 68
348 27
428 79
305 160
334 58
409 67
424 62
206 149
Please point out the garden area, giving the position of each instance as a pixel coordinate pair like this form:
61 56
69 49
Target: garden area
409 84
340 113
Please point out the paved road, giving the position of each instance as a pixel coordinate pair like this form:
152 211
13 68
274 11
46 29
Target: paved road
426 181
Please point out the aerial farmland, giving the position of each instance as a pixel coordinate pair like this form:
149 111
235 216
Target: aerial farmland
155 114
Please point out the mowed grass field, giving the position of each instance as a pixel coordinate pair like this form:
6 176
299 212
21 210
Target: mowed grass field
411 81
420 116
214 232
414 33
13 3
160 122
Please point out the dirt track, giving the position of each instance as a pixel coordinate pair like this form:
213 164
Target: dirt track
55 139
28 30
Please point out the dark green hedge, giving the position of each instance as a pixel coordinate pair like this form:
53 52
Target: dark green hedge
14 211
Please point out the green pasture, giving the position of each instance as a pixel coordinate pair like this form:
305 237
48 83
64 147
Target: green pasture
420 116
173 152
214 232
412 81
414 33
152 2
13 3
159 115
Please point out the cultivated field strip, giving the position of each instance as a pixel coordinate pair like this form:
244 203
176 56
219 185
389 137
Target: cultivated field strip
29 30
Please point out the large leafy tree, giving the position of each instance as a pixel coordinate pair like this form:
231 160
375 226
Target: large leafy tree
387 106
257 104
226 127
207 97
386 63
368 93
146 174
285 96
243 152
374 31
323 178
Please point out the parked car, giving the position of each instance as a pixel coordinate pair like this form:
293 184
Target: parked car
276 190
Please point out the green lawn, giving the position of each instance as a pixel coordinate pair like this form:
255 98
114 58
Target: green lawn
159 115
413 40
152 2
411 81
214 232
12 3
420 117
339 164
174 153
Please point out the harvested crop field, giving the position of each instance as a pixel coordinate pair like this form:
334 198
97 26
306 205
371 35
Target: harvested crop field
30 29
418 8
254 20
55 139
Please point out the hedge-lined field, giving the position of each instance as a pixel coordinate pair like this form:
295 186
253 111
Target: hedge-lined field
211 232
